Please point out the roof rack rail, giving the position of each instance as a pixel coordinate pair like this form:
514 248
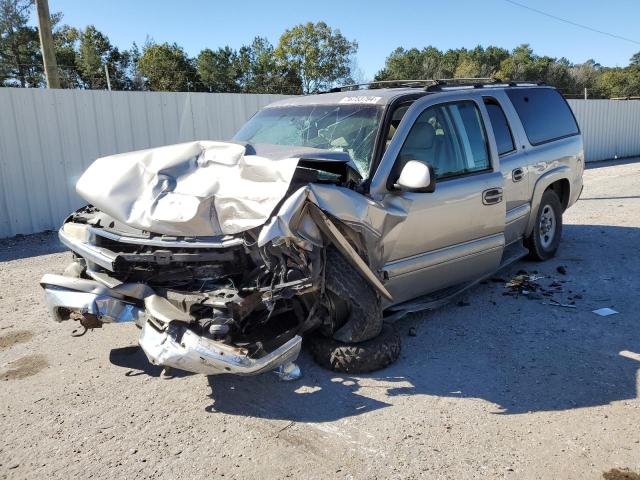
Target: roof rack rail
415 83
463 83
434 85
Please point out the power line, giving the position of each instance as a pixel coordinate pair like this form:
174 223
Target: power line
575 24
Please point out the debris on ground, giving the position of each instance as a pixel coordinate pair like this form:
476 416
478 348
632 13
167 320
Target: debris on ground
527 284
413 332
463 303
558 304
605 312
562 270
523 284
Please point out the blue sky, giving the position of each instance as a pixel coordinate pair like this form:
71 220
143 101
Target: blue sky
378 26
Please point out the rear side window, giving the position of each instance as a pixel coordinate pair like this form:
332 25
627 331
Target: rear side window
545 115
501 130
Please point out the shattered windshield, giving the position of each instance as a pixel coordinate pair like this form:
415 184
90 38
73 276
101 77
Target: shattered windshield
343 128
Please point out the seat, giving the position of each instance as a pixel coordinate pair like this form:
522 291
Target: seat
420 144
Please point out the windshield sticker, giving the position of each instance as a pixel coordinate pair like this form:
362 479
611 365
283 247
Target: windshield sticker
360 99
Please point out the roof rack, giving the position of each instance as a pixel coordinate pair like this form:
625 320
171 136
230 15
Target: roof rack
434 85
465 83
383 83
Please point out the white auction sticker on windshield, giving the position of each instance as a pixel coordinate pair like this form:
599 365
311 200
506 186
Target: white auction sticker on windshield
360 99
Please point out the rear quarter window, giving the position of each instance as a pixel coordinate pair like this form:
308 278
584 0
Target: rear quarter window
544 114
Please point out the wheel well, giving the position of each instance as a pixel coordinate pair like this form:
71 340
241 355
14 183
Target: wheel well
563 190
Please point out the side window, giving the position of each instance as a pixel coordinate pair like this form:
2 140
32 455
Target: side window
544 114
450 138
501 130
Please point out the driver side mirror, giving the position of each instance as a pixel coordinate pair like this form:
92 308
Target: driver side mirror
416 177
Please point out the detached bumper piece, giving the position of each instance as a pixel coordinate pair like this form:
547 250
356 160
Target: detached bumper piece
68 297
181 348
167 341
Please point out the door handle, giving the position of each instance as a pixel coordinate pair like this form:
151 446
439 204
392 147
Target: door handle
492 196
517 174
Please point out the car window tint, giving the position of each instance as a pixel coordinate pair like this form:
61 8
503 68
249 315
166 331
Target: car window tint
501 130
544 114
450 138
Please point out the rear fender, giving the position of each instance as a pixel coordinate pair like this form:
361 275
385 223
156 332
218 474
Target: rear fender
560 173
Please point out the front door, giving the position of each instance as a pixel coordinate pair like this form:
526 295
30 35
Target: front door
456 233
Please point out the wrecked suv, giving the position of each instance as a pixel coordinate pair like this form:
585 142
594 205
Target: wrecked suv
325 216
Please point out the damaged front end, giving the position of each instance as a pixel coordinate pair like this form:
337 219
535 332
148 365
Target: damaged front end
206 305
219 257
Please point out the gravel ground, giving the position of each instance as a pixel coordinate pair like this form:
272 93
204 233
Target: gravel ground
503 387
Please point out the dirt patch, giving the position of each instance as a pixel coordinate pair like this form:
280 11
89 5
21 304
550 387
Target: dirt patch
25 367
14 338
620 474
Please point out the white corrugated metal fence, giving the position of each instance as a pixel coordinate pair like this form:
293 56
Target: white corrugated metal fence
610 128
49 137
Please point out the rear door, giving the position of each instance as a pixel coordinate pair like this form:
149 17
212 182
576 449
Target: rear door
513 164
456 233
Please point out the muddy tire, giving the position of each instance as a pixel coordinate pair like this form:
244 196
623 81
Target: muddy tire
369 356
547 229
355 305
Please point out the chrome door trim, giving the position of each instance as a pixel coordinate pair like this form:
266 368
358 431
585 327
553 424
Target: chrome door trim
517 213
407 265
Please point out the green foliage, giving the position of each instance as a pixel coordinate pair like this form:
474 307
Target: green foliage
308 58
167 67
20 59
219 70
519 64
320 55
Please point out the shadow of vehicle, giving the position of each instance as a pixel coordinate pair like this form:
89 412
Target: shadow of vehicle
520 355
611 163
133 358
27 246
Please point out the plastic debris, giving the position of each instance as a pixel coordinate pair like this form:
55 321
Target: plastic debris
605 312
558 304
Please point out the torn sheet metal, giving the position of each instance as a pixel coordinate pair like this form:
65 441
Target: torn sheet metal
369 218
198 188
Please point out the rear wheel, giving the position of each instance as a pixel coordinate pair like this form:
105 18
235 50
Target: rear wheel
547 230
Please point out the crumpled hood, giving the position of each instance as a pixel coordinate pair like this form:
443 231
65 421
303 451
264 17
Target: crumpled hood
200 188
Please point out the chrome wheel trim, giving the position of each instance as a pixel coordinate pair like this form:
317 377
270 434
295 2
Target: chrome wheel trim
547 226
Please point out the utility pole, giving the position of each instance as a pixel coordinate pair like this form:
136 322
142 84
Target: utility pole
106 72
46 44
585 93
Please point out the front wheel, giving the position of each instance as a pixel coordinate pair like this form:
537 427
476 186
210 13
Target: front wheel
547 230
374 354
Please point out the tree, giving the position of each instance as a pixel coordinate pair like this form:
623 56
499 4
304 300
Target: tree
264 73
66 40
20 58
619 82
320 55
93 53
635 59
218 70
402 64
585 75
167 68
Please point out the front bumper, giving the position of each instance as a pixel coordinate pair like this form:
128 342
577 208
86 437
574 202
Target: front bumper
166 337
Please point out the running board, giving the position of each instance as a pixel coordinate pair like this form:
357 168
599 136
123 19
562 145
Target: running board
512 253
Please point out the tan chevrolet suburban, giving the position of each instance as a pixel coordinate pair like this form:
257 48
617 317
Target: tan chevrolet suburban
326 216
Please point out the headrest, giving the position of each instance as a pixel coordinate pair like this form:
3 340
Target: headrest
422 136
